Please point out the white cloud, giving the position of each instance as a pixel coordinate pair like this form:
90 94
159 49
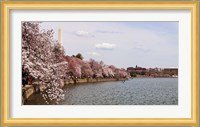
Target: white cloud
94 53
83 33
107 46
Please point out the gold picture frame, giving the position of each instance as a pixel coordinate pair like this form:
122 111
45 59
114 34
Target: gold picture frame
5 56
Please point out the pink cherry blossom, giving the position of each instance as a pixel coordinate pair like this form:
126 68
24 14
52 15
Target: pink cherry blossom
43 59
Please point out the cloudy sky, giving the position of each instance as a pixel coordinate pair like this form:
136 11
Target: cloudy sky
123 44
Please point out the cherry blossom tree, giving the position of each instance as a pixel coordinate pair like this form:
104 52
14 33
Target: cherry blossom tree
78 68
120 73
113 68
97 68
43 60
86 69
74 68
107 71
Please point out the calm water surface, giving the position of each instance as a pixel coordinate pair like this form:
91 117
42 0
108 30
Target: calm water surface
137 91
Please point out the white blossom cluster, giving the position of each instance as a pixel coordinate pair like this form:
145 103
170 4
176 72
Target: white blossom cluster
44 59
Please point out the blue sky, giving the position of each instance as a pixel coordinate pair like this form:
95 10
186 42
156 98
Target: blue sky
123 44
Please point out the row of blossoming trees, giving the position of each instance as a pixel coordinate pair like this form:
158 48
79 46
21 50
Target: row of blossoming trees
78 68
44 60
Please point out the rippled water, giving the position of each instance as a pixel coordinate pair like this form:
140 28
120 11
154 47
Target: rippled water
137 91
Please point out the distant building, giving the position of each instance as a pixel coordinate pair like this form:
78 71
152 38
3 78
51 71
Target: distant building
152 72
170 71
136 70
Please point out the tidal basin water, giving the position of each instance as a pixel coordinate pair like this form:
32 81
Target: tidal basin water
136 91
